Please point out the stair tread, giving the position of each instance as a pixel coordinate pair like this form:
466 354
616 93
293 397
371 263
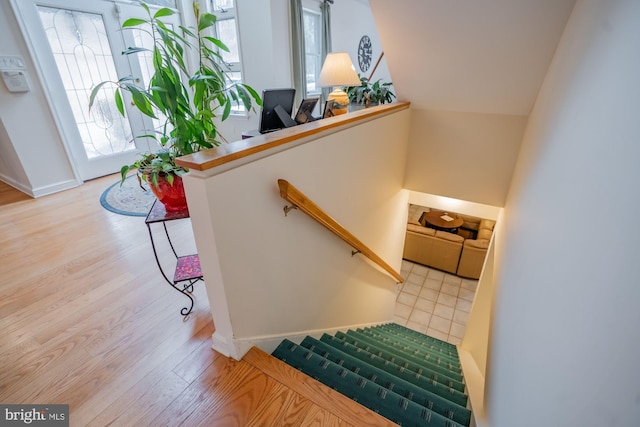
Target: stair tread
452 364
418 350
423 380
417 338
423 397
369 394
419 335
397 353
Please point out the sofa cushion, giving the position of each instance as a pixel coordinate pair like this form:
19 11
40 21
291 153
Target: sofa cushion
423 219
470 222
420 229
480 244
415 212
449 236
487 224
484 234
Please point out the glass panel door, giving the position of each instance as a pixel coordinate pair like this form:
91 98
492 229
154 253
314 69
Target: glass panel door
84 42
82 53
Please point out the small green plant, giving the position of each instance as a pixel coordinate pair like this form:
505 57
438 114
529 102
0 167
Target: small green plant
187 103
151 166
370 93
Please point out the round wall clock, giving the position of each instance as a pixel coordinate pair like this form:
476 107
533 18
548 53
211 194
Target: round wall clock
364 53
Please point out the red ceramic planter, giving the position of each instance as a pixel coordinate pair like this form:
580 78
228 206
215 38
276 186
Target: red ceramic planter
170 195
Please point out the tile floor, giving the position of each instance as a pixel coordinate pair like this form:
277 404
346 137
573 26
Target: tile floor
434 302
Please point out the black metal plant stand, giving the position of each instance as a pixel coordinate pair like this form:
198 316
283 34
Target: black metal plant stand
188 269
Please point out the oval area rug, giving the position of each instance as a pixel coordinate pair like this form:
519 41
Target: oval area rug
128 199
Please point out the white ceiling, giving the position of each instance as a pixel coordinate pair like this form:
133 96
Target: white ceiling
485 56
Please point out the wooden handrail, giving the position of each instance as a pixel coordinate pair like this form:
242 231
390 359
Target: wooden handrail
302 202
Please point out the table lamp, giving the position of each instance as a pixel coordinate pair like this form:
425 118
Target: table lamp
338 71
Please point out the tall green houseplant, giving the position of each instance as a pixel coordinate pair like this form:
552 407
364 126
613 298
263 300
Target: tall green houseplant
187 103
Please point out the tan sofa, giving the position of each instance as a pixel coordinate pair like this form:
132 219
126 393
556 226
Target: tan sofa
437 249
449 252
474 251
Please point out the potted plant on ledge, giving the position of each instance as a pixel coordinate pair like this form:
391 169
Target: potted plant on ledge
370 94
186 103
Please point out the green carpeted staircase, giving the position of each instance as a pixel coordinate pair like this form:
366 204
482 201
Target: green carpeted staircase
407 377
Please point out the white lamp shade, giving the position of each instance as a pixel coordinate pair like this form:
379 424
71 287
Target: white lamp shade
338 70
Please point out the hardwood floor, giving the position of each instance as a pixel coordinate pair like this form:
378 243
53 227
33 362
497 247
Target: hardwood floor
88 321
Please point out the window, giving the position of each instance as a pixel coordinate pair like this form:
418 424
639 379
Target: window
312 21
310 40
165 3
227 32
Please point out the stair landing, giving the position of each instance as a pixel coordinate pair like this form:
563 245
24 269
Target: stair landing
348 411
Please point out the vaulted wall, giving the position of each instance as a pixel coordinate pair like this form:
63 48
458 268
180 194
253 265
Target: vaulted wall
471 71
564 351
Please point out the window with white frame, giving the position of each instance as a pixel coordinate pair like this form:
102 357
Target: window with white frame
227 32
312 21
165 3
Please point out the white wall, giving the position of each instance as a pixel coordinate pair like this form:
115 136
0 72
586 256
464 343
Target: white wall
486 57
266 54
11 170
565 349
471 72
269 276
474 348
34 159
463 155
350 20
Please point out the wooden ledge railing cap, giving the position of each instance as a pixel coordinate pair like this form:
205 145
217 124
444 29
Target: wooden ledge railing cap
226 153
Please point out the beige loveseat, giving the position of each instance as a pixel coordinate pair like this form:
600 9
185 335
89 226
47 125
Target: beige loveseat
437 249
474 251
445 251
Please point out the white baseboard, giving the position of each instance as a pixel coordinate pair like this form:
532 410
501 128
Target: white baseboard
222 346
17 185
475 388
40 191
55 188
237 348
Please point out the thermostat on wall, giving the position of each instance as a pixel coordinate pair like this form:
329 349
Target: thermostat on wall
15 80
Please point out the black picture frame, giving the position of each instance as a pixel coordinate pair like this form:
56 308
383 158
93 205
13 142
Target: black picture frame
305 111
328 109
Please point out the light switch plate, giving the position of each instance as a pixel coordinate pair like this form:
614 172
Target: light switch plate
11 63
16 81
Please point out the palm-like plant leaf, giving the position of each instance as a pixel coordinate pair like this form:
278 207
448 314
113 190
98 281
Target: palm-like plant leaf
187 103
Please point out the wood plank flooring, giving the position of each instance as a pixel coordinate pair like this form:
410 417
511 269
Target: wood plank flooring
87 320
